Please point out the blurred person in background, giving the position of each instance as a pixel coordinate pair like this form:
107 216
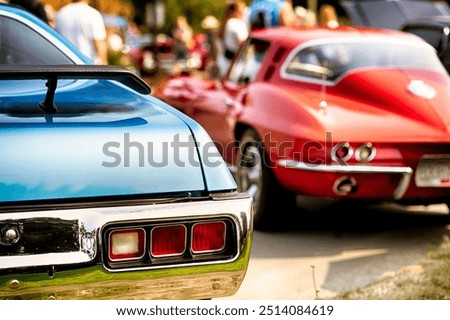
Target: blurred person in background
183 38
36 7
305 17
328 16
233 32
210 24
272 13
83 25
50 11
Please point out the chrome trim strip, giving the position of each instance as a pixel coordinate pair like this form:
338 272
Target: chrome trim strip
403 185
106 202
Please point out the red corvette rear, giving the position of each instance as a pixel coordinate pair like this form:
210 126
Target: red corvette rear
343 113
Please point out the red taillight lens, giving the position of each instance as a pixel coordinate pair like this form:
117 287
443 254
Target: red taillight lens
208 237
168 241
126 244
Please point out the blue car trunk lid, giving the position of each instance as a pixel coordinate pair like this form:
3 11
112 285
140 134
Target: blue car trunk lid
125 146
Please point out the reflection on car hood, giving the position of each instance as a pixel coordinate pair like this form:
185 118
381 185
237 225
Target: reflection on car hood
125 145
404 96
412 97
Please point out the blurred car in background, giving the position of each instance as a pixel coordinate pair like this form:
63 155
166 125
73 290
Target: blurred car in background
127 47
428 19
163 45
346 113
94 204
391 14
143 52
436 31
197 55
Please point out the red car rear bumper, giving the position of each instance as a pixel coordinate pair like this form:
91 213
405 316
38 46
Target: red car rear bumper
355 181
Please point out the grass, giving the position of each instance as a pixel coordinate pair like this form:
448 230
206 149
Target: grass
430 280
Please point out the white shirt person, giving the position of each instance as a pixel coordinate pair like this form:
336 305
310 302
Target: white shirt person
83 25
233 33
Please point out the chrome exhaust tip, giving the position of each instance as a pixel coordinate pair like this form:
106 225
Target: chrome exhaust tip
345 185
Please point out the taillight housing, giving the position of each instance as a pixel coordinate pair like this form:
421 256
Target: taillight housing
208 237
144 244
126 244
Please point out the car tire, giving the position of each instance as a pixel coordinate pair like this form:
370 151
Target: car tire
254 176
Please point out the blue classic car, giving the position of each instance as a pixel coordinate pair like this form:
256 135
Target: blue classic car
105 191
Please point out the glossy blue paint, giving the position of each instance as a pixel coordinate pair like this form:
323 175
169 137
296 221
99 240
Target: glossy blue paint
109 140
122 145
217 175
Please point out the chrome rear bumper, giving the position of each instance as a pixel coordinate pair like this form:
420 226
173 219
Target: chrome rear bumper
405 172
75 268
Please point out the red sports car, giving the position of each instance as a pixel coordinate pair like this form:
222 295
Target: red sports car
336 113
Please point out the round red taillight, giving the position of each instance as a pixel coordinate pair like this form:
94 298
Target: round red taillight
343 151
365 152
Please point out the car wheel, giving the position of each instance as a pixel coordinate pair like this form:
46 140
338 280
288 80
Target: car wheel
255 177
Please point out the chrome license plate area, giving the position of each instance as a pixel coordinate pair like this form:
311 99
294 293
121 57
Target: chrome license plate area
433 171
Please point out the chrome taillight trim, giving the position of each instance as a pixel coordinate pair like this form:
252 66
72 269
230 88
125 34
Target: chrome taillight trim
373 152
150 260
339 146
